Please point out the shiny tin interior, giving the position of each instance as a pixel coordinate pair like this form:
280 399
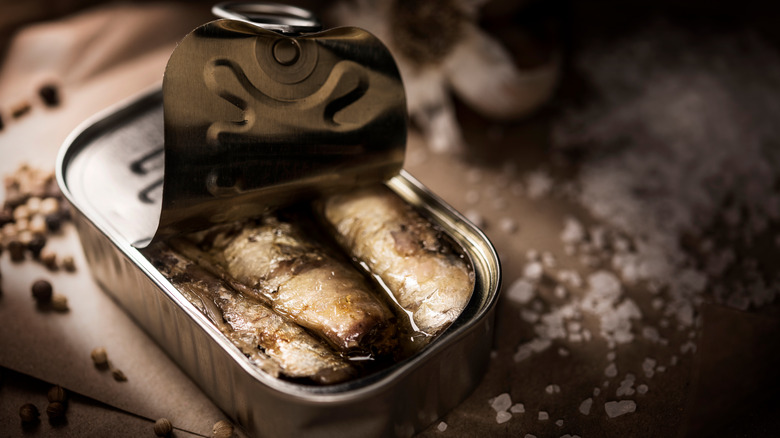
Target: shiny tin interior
110 170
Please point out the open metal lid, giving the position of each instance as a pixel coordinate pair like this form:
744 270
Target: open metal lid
257 118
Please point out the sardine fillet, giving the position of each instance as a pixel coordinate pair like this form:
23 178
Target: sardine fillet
275 344
424 273
300 280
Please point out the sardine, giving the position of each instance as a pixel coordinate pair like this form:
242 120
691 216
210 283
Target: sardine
423 271
275 344
273 261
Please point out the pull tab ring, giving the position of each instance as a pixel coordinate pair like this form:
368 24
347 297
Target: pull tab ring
272 16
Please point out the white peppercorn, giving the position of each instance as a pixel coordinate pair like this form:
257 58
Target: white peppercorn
56 394
29 413
163 427
59 302
222 429
100 357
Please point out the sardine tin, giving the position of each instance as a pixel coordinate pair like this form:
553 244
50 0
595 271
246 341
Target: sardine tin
110 169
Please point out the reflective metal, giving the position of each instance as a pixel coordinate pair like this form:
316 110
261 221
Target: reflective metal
110 170
272 16
255 119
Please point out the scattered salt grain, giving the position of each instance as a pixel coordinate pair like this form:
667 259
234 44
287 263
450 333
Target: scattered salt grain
533 271
626 386
559 423
503 417
538 184
507 225
596 391
501 402
642 389
552 389
529 316
688 346
548 260
618 408
517 408
611 370
521 291
543 416
573 231
441 427
586 405
648 366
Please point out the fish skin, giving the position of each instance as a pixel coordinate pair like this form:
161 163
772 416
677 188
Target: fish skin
424 273
271 260
275 344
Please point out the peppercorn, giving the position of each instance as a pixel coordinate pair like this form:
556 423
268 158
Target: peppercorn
100 357
59 303
29 413
42 291
50 95
69 264
163 427
119 376
49 259
222 429
56 394
55 410
6 216
53 222
36 244
16 250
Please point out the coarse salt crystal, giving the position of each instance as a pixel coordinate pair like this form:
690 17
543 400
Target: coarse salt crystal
648 366
611 370
559 423
618 408
533 271
517 408
552 389
503 417
573 231
521 291
543 416
538 184
442 427
501 402
507 225
586 405
642 389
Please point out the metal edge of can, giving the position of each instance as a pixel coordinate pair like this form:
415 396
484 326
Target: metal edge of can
367 407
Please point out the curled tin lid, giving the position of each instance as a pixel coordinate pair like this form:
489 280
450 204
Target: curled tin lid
257 118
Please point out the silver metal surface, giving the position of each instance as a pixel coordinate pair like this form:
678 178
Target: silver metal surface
110 172
272 16
254 119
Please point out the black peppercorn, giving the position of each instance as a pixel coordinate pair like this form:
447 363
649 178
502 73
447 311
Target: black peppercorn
42 291
50 95
16 250
54 222
36 245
